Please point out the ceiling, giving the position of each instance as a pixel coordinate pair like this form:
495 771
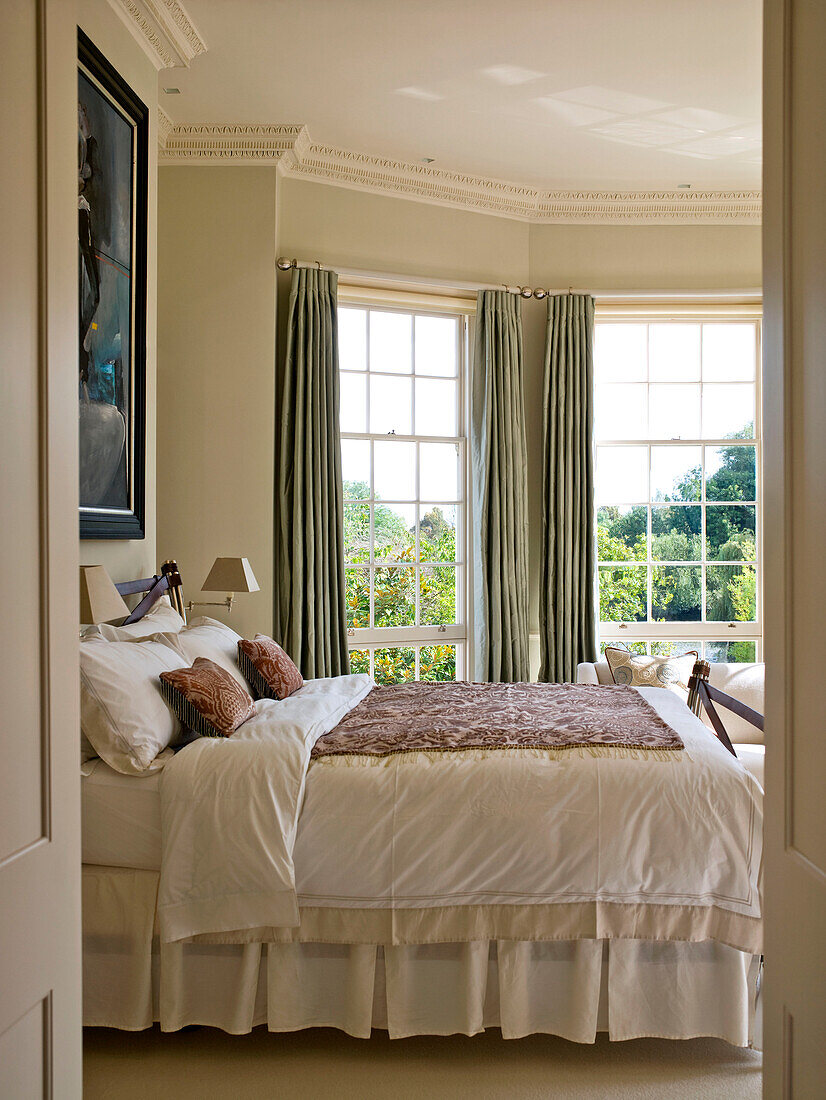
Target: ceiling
593 94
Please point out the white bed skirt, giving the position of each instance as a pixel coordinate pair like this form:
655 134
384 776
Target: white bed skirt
629 988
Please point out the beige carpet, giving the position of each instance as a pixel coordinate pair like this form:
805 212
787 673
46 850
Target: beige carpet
208 1064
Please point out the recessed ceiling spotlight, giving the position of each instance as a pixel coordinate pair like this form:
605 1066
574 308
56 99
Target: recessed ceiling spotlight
427 160
172 91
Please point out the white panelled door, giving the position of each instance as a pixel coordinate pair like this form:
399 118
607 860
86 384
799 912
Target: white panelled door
40 1050
794 99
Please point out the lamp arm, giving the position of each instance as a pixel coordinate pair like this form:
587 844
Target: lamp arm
227 603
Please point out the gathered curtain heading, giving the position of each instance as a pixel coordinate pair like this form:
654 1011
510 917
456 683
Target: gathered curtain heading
310 612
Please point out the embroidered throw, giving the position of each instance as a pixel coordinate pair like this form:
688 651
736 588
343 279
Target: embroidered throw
207 699
267 668
427 717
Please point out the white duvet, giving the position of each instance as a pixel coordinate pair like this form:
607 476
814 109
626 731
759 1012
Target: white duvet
253 833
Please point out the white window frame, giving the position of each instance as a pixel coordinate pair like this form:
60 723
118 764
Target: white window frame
704 630
459 633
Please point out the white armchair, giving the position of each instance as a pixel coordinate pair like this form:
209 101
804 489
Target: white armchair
745 682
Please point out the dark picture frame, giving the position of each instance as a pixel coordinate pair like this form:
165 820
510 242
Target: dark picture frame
113 186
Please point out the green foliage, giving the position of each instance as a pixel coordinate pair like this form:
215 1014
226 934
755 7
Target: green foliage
394 584
676 536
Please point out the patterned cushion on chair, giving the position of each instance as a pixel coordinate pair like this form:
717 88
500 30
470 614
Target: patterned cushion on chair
268 669
207 699
638 670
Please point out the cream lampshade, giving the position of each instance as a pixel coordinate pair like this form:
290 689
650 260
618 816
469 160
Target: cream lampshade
100 601
227 575
230 575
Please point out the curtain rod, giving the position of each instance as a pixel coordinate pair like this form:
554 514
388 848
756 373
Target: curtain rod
740 295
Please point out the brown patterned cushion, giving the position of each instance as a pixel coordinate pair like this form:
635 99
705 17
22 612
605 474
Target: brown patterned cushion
268 669
207 699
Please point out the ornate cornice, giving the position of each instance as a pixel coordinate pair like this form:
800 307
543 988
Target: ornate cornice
164 29
297 155
238 144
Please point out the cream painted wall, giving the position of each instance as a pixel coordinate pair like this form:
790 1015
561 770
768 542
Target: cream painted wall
128 559
354 229
216 389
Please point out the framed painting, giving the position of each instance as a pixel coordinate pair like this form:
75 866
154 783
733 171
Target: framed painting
113 176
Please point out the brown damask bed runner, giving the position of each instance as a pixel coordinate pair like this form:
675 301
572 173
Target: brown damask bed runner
427 717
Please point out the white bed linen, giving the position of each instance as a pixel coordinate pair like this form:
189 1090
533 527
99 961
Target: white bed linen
627 988
229 814
120 818
654 849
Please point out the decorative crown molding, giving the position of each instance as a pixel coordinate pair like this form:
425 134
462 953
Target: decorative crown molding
291 147
164 29
239 144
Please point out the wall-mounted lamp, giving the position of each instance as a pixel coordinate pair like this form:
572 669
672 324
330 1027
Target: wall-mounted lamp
100 601
227 575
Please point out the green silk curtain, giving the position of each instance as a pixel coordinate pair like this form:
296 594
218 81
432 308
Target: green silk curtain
566 597
500 496
310 611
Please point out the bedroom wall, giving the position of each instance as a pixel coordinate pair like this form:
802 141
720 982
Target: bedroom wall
355 229
216 390
128 559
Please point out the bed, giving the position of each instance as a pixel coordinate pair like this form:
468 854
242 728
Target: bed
531 889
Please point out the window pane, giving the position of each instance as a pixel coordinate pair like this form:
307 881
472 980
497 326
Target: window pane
728 651
394 664
394 470
674 412
391 405
676 473
730 532
436 343
438 471
621 412
357 597
622 474
676 593
731 593
674 649
391 337
728 411
353 402
355 468
437 662
394 527
632 647
435 407
622 594
394 596
731 473
729 353
676 533
437 595
359 660
622 533
674 353
352 339
620 353
437 532
357 532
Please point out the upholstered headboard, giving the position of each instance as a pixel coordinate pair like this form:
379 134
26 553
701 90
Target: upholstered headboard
167 581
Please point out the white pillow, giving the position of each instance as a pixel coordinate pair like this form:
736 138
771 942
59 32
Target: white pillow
206 637
122 711
161 618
